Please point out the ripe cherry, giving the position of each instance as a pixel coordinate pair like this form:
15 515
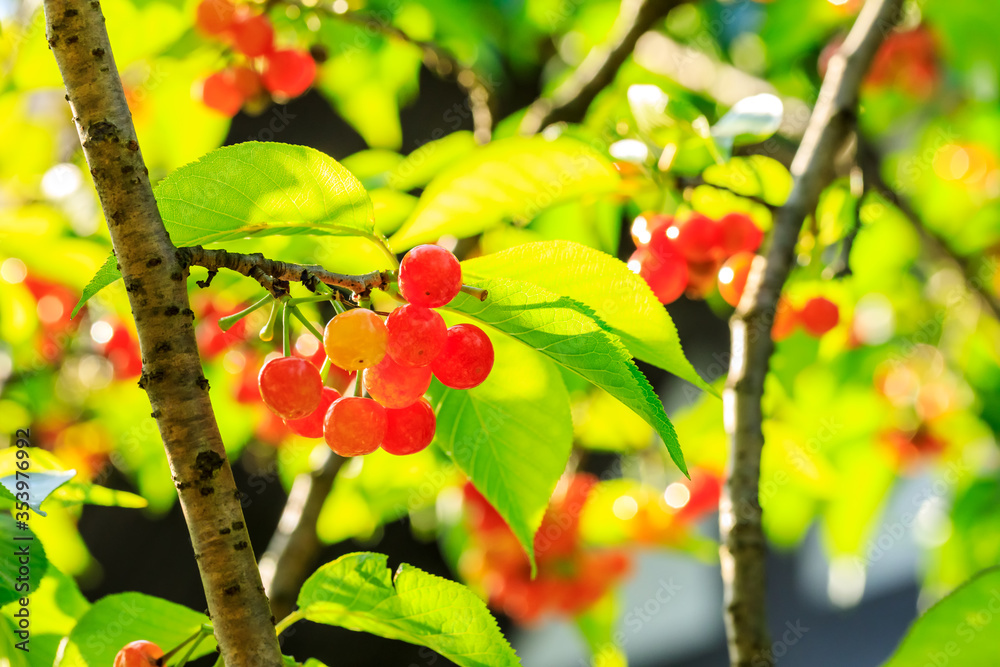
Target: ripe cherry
215 17
698 238
429 276
416 335
733 277
355 339
645 224
702 277
395 386
667 278
290 386
220 92
288 72
410 429
786 320
247 81
354 426
467 357
738 233
253 35
311 426
819 315
138 654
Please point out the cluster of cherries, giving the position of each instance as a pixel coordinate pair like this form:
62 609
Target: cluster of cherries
397 357
570 578
684 256
285 72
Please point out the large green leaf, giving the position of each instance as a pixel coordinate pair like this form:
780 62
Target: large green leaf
958 630
256 189
358 592
16 542
572 335
512 178
134 616
619 297
511 435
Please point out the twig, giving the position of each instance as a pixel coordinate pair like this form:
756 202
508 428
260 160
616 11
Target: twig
684 182
293 548
871 165
172 373
437 59
570 100
742 552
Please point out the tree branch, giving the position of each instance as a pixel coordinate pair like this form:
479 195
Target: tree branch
742 552
570 100
172 373
871 165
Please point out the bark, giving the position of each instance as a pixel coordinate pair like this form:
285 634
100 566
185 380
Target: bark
743 551
570 101
156 283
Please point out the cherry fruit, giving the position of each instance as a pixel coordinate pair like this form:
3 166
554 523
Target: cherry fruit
355 339
429 276
253 35
396 386
733 277
221 92
354 426
416 335
467 357
819 315
738 233
311 426
138 654
288 72
698 238
410 429
215 17
290 386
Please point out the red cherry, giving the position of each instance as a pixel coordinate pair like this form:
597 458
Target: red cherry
819 315
311 426
706 489
288 72
702 277
645 224
786 320
467 358
733 277
429 276
667 279
416 335
138 654
698 238
396 386
410 429
220 92
247 81
354 426
215 17
290 386
738 233
253 35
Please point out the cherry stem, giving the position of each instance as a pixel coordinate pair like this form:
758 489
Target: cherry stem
325 368
190 651
476 292
306 323
286 329
205 629
225 323
267 333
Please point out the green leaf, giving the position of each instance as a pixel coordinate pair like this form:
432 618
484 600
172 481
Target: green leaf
620 298
427 161
107 274
597 625
509 179
14 539
136 616
572 335
256 189
358 592
510 435
753 176
961 624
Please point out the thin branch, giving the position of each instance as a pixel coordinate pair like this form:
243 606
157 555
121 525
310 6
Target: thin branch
871 165
695 181
436 58
172 373
294 546
743 549
570 100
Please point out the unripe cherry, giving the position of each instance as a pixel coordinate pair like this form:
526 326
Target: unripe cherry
311 426
819 316
467 358
416 335
396 386
410 429
138 654
354 426
355 339
290 386
429 276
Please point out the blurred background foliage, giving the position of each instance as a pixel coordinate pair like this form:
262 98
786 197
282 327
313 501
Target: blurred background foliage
881 434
